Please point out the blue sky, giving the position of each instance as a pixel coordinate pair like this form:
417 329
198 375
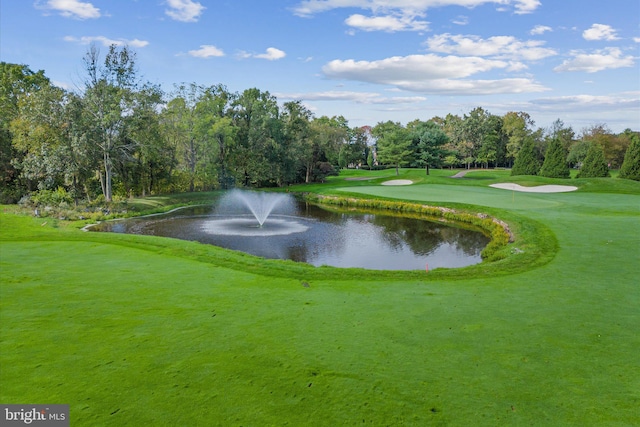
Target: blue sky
368 60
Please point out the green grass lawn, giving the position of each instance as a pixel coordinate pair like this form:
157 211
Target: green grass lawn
133 330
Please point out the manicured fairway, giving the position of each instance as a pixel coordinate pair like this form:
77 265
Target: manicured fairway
145 331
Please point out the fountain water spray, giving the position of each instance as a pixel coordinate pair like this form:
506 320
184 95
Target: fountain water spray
237 212
260 204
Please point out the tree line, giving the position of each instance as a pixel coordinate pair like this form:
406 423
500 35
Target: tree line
119 136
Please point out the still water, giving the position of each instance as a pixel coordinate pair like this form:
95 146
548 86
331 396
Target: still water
320 236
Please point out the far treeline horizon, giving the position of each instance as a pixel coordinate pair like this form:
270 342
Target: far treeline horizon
119 136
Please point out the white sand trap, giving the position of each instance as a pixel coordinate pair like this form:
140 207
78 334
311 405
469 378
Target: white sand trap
398 182
538 189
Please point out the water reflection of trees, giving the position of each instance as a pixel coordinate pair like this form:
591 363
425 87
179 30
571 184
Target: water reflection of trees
423 237
333 236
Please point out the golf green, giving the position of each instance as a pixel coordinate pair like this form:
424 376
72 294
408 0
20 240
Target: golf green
148 331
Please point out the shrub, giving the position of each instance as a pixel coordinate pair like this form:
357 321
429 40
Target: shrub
54 198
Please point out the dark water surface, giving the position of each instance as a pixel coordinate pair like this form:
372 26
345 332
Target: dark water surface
319 236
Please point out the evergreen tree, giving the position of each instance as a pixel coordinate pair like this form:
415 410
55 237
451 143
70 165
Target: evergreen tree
595 165
526 161
555 161
631 165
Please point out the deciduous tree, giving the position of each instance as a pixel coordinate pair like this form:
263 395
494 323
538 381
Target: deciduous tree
429 140
517 127
111 104
393 144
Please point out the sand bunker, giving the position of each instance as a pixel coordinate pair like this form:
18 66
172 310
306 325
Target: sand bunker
398 182
538 189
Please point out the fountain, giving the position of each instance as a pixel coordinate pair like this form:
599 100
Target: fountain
249 213
277 226
260 204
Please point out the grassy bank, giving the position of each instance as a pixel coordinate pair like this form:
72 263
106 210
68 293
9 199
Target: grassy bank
142 330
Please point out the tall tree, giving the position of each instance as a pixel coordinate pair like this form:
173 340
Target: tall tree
526 162
595 165
254 115
429 140
578 152
631 165
562 133
354 150
393 144
612 145
179 128
216 131
16 81
48 132
555 161
110 103
322 151
150 160
294 142
476 125
517 126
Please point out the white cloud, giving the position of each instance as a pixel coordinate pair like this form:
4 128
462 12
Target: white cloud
584 102
412 67
636 39
526 6
206 51
600 32
461 20
474 87
357 97
271 54
540 29
431 74
63 85
499 47
619 110
308 8
388 23
105 41
604 59
184 10
72 9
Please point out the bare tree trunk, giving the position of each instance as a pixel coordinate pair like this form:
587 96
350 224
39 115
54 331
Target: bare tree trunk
307 177
102 182
108 172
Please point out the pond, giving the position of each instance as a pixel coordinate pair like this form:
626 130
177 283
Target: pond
313 234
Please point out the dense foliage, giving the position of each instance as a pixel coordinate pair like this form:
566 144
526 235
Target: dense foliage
119 136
